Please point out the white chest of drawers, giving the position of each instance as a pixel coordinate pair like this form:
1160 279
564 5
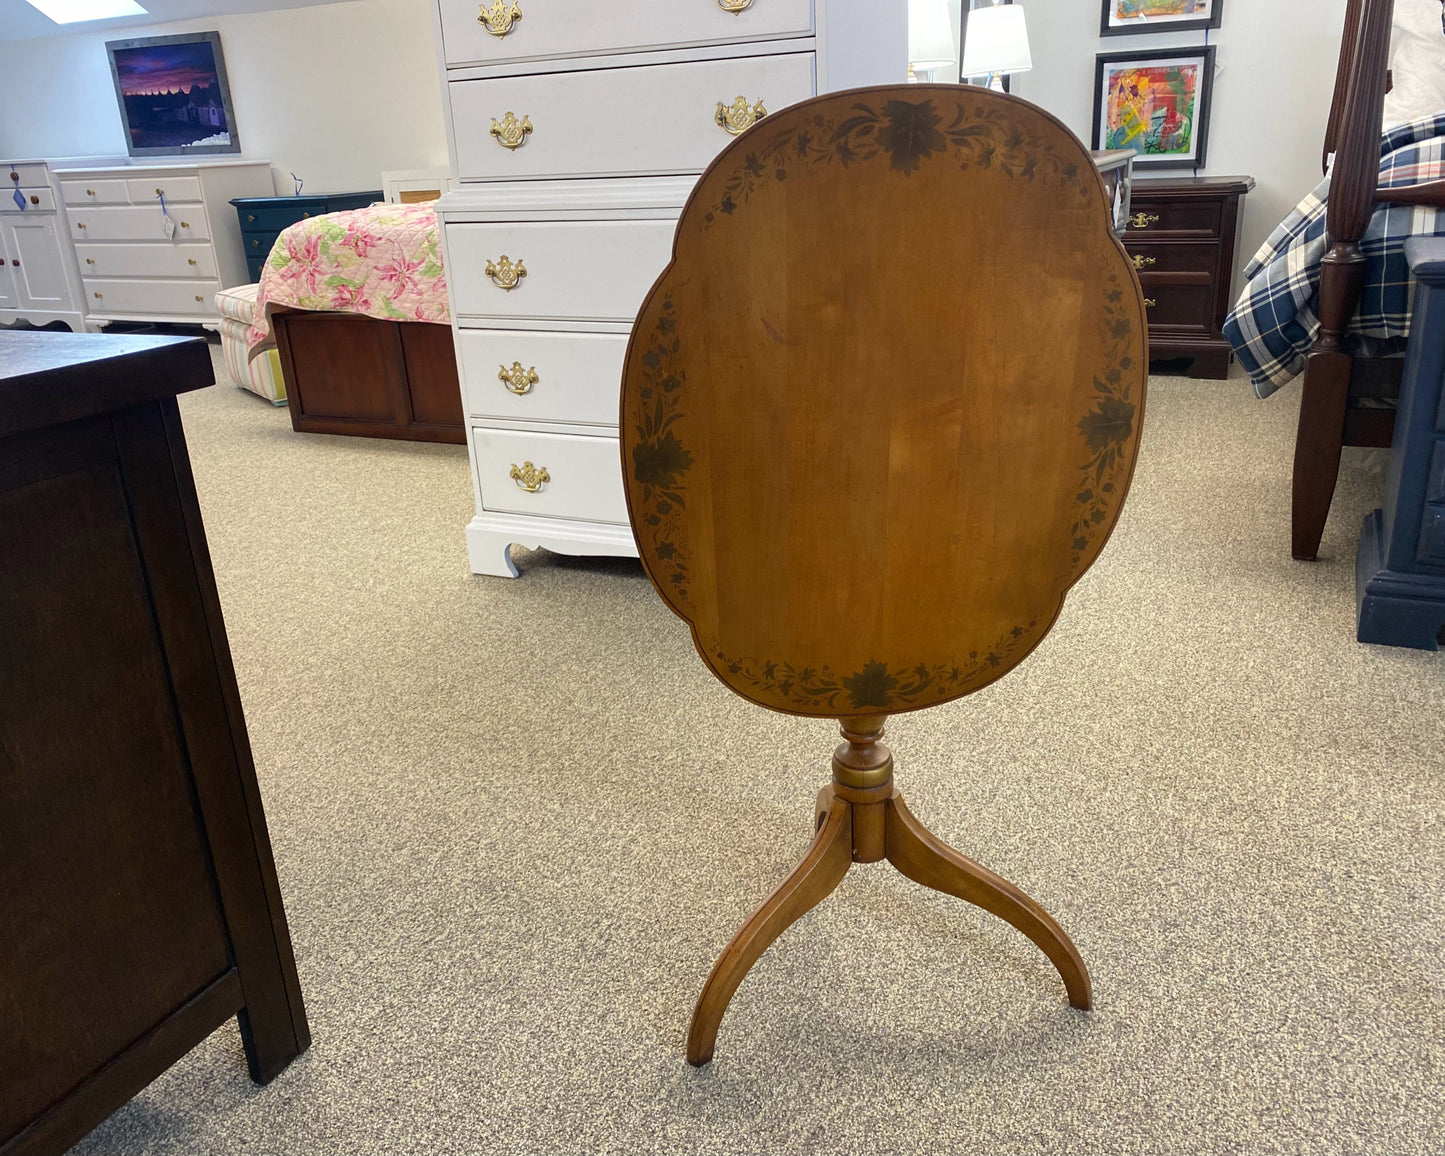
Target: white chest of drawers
38 281
577 130
131 268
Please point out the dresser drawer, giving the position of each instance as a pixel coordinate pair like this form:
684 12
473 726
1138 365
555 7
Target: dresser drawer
577 374
37 200
1180 306
616 121
586 270
274 218
94 193
1174 258
143 190
258 245
585 27
584 475
198 297
1194 217
23 174
145 260
141 223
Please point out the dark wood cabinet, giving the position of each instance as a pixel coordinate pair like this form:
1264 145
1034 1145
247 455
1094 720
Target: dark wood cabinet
139 905
1183 235
263 218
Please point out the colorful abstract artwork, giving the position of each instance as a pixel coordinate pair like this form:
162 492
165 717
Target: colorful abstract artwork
1129 16
1156 103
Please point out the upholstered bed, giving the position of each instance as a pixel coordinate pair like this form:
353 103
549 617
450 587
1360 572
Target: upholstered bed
356 305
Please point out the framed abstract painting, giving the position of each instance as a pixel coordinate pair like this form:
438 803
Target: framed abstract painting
1156 103
1125 17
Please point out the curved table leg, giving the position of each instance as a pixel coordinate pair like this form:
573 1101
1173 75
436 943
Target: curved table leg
914 850
811 882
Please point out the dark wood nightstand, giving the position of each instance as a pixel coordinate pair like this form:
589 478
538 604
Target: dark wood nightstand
1182 235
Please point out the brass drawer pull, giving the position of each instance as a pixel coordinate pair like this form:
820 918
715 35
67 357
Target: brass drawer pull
80 224
97 296
504 274
185 224
498 19
160 192
1149 303
190 260
518 380
1141 262
90 192
90 260
199 297
249 217
510 132
734 6
529 477
737 117
1142 220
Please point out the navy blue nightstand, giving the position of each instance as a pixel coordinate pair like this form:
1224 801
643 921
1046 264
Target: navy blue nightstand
263 218
1400 565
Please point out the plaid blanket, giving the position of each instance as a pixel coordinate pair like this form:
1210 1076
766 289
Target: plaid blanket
1275 320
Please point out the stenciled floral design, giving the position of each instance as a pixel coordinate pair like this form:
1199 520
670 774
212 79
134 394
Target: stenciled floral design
383 261
971 130
874 686
1107 428
659 459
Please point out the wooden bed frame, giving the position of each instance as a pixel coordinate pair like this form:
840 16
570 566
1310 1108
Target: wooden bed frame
349 374
1334 409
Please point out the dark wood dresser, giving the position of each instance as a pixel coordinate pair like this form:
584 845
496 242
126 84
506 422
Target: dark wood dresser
1183 234
139 906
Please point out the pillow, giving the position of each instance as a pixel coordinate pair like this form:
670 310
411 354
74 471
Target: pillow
1417 62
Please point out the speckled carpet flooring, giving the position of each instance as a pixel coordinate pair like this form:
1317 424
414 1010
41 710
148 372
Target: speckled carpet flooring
515 822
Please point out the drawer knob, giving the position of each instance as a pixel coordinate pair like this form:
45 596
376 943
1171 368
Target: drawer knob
737 117
15 261
510 132
504 274
185 224
518 380
80 224
14 176
1149 303
34 200
90 192
254 244
190 260
90 260
528 477
160 192
1142 262
499 17
250 217
1142 220
734 6
97 296
199 297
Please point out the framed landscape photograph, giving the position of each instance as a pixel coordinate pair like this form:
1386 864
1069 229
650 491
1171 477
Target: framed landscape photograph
173 95
1125 17
1156 103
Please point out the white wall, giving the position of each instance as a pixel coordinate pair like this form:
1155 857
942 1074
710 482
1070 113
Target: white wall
1275 74
336 92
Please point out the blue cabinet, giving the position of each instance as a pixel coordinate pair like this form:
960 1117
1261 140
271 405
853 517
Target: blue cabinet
263 218
1400 565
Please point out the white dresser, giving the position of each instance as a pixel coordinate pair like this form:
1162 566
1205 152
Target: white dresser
577 130
38 279
137 268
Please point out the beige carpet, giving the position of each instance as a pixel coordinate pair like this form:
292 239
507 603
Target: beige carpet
515 822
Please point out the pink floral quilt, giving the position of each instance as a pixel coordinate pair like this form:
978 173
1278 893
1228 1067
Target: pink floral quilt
382 261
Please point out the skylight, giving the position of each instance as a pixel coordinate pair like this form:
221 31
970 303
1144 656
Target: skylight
72 11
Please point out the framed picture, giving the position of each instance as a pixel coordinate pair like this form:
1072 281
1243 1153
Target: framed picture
1124 17
1156 103
173 95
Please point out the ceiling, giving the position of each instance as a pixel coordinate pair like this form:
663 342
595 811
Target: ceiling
19 21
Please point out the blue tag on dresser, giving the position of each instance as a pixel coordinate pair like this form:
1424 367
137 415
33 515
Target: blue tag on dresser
19 198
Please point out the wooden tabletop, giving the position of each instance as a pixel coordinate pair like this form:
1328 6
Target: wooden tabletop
48 378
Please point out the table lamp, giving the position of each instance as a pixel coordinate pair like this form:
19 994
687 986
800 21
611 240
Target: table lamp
930 37
996 43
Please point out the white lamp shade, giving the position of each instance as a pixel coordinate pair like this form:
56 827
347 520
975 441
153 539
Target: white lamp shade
930 35
997 40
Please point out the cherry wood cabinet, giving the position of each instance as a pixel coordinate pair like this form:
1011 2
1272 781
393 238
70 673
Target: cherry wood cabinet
139 905
1183 237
